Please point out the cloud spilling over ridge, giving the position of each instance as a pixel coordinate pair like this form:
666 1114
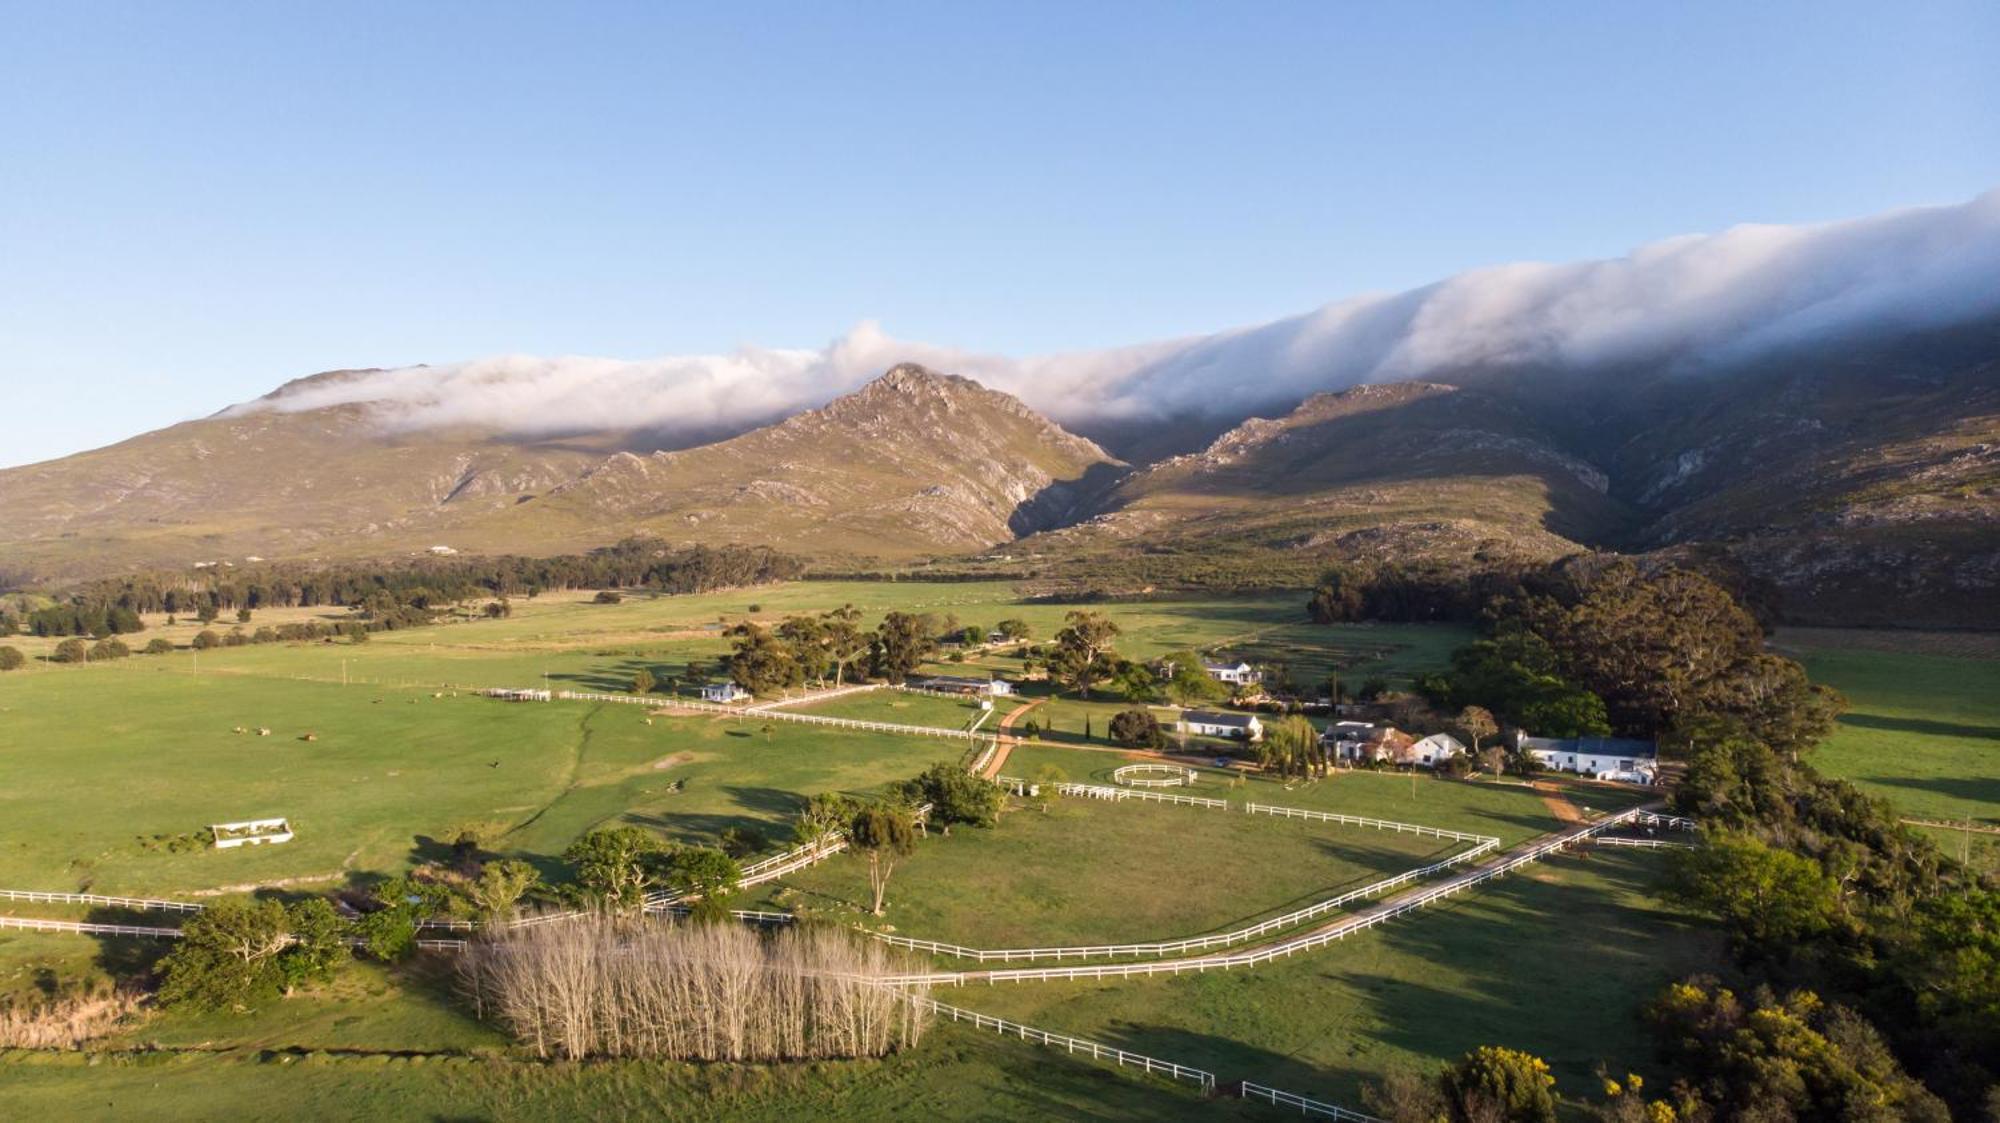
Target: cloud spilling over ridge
1694 301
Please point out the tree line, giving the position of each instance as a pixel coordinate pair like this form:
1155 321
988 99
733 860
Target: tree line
406 591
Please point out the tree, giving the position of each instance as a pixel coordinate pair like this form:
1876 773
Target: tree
227 955
1134 680
11 659
1137 729
1766 895
806 638
1187 684
1337 600
846 644
500 886
1049 780
703 873
1501 1086
207 612
1012 630
1082 653
105 650
643 681
389 931
1372 688
1293 747
318 947
242 616
607 596
956 796
901 642
1477 724
885 834
207 639
1789 1057
615 866
1406 1095
71 651
761 662
498 609
825 814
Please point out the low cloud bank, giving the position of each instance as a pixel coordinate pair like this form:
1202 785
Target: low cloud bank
1695 302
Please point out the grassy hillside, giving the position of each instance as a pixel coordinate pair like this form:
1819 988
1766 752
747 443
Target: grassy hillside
1923 730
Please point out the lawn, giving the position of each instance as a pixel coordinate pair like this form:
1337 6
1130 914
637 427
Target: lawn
1086 873
1557 960
1505 809
392 775
957 1073
904 707
1923 727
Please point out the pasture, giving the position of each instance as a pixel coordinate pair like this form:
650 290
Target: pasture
1923 727
1086 872
380 755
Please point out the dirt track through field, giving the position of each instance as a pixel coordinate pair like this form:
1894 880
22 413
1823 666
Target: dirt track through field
1557 801
1005 742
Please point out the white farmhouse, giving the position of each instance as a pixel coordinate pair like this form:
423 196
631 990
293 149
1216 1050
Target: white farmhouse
1215 723
1436 749
1238 673
1622 759
723 692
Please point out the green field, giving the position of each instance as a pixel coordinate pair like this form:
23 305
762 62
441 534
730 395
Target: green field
1089 873
106 766
1557 961
1923 728
901 708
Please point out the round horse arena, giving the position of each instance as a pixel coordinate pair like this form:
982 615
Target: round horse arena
1153 776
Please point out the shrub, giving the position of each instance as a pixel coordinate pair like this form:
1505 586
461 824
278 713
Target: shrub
109 649
70 651
607 596
1138 729
159 645
207 639
11 659
65 1020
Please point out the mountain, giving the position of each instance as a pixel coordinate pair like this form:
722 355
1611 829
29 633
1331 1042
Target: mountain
914 463
1861 484
1376 471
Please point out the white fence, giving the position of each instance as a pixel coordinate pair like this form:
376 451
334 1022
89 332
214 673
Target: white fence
36 924
1283 948
1643 843
1364 821
1101 791
1677 822
770 715
1153 776
1124 1059
148 903
1305 1106
1192 943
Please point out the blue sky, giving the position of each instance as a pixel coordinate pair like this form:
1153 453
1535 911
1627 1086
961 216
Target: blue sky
199 202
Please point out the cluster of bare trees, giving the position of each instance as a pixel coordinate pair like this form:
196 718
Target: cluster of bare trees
599 986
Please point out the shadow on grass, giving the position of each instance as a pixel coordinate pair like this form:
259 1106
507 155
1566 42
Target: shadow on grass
1923 726
1979 789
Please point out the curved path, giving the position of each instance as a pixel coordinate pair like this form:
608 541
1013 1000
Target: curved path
1006 742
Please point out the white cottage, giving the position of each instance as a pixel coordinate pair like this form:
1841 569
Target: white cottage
1216 723
723 692
1238 673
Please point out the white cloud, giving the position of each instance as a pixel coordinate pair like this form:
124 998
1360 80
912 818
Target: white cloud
1691 301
